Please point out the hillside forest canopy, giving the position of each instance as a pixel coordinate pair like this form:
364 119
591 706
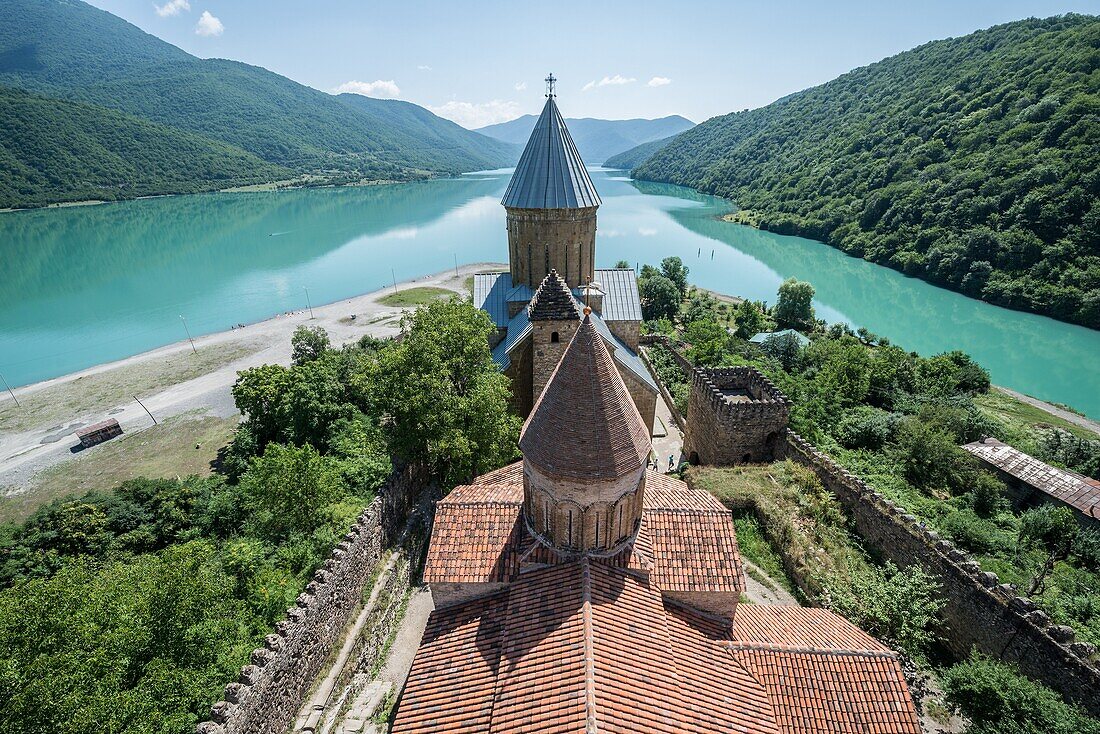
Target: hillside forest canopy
971 163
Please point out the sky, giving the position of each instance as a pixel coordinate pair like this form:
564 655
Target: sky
479 63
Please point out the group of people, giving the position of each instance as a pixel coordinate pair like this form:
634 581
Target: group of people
656 463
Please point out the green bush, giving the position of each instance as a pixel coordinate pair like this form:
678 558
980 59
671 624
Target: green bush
999 700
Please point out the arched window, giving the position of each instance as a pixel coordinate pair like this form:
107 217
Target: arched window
554 338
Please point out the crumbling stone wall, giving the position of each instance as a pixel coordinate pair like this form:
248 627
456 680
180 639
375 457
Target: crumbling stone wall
272 687
721 432
979 611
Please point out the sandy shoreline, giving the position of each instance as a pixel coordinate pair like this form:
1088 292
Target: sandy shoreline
38 435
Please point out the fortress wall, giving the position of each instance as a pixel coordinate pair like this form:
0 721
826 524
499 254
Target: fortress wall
684 365
980 612
272 688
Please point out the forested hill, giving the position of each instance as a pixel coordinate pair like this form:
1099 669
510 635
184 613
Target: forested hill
69 50
52 150
597 140
972 162
637 155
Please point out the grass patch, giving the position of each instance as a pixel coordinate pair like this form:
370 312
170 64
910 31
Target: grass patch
162 451
416 296
755 547
87 397
1023 419
468 284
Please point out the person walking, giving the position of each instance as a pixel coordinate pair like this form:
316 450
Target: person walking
671 461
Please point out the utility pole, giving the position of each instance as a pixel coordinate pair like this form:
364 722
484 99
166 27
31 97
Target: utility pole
307 301
188 332
8 388
146 409
394 280
456 264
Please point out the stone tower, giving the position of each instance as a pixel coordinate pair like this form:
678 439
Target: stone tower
585 448
735 416
551 207
554 320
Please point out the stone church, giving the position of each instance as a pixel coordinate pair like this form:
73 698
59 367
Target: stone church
551 207
578 591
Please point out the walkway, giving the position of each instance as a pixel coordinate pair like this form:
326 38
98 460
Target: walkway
1066 415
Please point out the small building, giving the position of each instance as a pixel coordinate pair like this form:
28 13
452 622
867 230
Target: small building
1032 481
735 416
763 336
99 432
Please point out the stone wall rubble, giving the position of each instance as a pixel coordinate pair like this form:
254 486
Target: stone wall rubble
270 691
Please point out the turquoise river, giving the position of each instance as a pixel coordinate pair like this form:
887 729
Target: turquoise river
85 285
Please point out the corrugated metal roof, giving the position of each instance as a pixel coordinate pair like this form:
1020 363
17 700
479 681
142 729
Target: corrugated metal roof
623 354
550 173
621 301
490 291
521 292
518 328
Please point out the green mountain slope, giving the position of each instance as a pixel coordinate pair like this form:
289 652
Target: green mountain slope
52 151
597 140
973 163
70 50
637 155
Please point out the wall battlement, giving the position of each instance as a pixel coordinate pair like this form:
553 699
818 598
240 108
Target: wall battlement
271 689
735 416
981 613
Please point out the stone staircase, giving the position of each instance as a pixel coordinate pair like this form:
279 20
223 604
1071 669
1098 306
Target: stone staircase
358 718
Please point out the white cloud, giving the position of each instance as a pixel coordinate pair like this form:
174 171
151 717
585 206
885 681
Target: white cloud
658 81
424 67
616 80
471 115
208 25
172 7
520 86
384 88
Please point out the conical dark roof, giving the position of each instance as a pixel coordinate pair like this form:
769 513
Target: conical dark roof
553 300
550 173
585 425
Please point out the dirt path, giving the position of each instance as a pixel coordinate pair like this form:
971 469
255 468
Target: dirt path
407 640
1066 415
31 443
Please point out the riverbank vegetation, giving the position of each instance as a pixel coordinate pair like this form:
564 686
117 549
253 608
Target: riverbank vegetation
968 162
128 610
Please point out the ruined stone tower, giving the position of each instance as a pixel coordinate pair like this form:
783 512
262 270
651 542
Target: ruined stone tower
584 449
551 207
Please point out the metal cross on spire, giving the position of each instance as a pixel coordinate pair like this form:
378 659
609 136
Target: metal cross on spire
550 80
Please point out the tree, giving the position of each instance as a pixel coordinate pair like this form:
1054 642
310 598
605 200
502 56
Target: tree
623 264
1052 530
750 319
660 298
795 304
308 344
783 348
674 269
443 400
289 487
709 342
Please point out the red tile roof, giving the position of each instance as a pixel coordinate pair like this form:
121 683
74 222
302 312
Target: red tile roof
585 425
686 540
584 644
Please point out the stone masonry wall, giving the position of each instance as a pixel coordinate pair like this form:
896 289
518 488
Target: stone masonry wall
980 612
720 432
271 689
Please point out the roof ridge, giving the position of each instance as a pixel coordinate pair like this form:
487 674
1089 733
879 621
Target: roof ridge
590 724
748 645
